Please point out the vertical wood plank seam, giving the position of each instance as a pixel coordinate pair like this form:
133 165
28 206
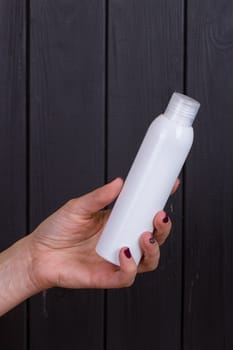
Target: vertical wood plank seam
27 94
183 258
106 90
106 108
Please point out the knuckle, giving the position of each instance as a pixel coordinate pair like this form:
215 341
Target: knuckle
71 203
129 282
158 255
153 267
153 262
161 236
156 263
96 195
128 279
156 250
70 206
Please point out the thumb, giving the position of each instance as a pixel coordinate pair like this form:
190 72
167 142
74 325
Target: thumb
98 199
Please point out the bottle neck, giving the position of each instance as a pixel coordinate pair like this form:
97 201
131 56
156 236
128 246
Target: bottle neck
182 110
185 122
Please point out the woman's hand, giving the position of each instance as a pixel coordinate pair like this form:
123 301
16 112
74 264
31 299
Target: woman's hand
61 251
63 246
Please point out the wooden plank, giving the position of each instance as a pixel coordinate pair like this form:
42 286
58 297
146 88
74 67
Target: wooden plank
13 151
67 149
208 314
145 67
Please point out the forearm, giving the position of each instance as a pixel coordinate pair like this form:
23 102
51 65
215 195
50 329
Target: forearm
16 284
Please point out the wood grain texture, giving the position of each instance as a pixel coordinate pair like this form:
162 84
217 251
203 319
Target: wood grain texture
12 151
208 315
145 67
67 149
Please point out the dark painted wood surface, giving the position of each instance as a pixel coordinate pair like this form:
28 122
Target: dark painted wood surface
67 150
100 71
208 316
13 151
145 67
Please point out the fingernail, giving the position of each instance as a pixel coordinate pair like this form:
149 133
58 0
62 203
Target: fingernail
127 253
165 219
152 240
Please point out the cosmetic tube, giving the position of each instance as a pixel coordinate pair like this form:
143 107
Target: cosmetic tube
150 180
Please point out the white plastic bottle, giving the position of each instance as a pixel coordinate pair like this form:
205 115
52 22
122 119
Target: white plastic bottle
150 179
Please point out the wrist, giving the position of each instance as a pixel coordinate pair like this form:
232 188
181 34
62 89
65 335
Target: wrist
17 284
41 271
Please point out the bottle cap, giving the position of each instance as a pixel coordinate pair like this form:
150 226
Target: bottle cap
182 109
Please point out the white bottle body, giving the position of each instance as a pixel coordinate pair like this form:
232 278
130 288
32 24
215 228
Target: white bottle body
147 187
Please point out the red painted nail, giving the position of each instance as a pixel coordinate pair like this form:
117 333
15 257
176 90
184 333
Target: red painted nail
152 240
166 219
127 253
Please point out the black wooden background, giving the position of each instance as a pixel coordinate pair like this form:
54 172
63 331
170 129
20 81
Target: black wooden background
80 82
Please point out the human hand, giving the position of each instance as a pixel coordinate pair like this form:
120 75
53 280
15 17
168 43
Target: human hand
63 246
